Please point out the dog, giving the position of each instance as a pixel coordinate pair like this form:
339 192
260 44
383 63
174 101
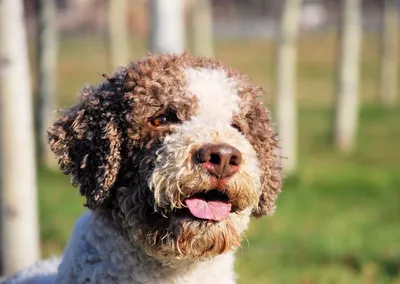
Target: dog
174 155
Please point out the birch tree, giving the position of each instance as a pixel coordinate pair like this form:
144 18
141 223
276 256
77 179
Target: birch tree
19 240
47 70
389 53
346 109
167 26
1 189
118 32
286 113
200 23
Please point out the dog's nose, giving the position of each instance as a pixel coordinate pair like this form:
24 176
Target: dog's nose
221 160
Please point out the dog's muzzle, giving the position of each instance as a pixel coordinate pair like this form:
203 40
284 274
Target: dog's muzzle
221 161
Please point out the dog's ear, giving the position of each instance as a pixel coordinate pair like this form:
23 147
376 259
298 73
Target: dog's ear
264 140
87 140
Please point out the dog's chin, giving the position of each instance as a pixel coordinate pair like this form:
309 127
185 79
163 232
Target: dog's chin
200 229
190 238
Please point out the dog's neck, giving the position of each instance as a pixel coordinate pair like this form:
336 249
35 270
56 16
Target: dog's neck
99 253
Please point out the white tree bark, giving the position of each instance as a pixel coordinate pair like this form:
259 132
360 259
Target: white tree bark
286 112
47 75
1 189
201 27
118 32
20 238
346 109
389 53
167 26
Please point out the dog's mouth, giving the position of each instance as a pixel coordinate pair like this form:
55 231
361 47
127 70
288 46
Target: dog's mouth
210 205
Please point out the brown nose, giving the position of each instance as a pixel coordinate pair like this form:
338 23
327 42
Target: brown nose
221 160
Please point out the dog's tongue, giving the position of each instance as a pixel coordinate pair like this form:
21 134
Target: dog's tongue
209 210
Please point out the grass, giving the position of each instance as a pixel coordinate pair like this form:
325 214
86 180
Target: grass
337 220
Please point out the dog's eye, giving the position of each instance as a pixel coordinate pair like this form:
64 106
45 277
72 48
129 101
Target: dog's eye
237 127
159 120
169 117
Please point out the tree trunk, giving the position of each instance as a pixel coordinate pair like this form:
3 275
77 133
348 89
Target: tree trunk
47 75
1 190
20 238
201 34
119 32
286 112
167 26
389 50
346 109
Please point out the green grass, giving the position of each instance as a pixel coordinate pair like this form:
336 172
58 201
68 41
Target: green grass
337 220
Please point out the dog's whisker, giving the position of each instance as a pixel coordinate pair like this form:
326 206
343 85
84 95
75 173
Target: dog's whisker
245 237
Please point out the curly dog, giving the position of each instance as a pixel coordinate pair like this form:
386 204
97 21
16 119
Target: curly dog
174 154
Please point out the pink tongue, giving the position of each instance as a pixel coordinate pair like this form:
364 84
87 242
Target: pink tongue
209 210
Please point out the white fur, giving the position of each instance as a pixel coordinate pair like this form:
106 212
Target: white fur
43 272
98 252
218 102
216 93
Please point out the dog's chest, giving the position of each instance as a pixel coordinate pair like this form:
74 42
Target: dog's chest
97 253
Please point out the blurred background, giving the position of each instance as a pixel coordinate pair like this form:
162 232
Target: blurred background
329 68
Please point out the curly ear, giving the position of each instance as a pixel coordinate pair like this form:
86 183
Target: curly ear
86 140
263 138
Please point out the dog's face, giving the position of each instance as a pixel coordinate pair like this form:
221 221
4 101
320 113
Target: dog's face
178 150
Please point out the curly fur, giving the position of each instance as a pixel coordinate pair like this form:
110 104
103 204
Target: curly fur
135 175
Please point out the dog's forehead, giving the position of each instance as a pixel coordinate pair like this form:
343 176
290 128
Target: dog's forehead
217 95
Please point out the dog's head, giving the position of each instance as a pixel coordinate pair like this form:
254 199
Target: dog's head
177 149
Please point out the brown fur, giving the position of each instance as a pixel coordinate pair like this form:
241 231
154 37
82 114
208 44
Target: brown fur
109 147
256 124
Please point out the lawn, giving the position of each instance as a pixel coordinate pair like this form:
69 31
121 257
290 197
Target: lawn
337 220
